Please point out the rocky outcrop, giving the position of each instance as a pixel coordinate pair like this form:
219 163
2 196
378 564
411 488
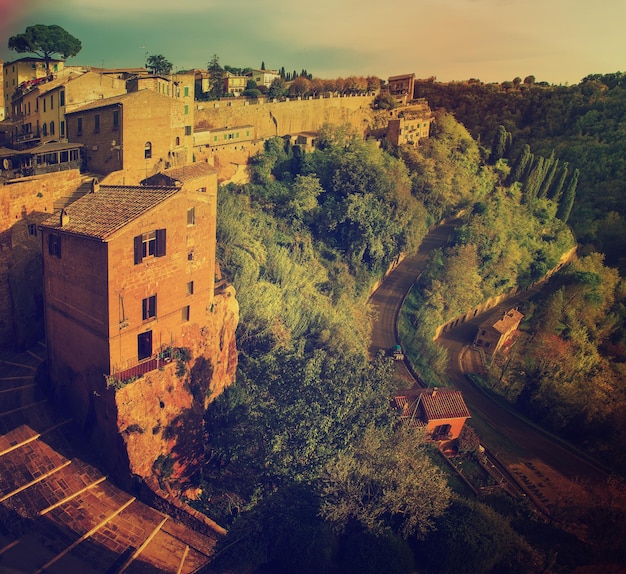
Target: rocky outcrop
160 415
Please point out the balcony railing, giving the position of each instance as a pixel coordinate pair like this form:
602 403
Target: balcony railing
120 378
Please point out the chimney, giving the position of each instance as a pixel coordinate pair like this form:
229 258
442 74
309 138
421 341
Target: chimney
64 218
95 185
434 393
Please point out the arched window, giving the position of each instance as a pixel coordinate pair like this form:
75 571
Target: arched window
177 140
44 129
147 150
51 128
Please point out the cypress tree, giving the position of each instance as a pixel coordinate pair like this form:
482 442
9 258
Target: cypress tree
567 201
262 65
498 147
551 167
533 181
554 192
520 165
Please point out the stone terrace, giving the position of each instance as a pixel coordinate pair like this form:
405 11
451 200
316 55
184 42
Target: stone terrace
58 513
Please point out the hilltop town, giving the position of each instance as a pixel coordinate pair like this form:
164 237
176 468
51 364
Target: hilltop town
109 193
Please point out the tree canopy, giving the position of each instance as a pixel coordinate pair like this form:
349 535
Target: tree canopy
45 41
159 64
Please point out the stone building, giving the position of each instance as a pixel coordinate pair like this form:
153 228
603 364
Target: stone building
30 70
234 85
491 337
39 109
442 412
402 87
409 124
130 301
139 133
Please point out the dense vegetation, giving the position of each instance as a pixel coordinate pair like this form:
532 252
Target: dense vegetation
305 463
584 124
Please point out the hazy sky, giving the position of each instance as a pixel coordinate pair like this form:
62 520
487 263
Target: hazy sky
558 41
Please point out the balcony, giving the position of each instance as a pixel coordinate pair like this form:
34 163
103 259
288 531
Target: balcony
121 378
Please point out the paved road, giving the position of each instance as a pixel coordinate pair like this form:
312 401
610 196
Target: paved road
387 300
511 433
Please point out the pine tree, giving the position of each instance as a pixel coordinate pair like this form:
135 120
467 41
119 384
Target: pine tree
262 65
282 72
567 202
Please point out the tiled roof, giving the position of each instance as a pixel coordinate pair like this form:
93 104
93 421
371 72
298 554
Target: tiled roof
189 172
101 103
104 212
509 321
434 404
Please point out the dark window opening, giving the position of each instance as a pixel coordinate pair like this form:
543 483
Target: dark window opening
32 229
116 119
148 308
186 312
144 345
191 216
96 123
79 126
147 150
151 244
54 245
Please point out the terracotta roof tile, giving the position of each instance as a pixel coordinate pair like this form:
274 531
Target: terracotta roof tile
104 212
185 172
433 404
509 321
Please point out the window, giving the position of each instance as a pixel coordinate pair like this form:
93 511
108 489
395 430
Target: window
44 129
190 288
190 256
62 98
52 102
186 110
147 150
187 130
148 308
144 345
186 91
151 244
96 123
116 119
79 126
54 245
177 141
62 128
32 230
44 104
186 313
51 128
191 216
201 189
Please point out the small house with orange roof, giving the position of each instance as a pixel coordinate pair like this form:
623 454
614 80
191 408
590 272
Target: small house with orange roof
442 412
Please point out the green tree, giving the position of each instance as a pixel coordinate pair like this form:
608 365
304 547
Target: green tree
216 78
276 89
499 145
159 65
569 195
519 167
44 41
385 481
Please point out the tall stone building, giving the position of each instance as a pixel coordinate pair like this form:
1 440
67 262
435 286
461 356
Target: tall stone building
138 339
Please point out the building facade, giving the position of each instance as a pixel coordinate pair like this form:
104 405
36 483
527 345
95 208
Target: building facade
138 133
491 337
25 70
409 124
129 275
402 87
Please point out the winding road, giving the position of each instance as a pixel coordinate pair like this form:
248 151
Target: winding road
518 443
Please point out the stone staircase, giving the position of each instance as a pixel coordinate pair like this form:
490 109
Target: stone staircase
58 512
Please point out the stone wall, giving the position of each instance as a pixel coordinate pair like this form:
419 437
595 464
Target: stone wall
23 205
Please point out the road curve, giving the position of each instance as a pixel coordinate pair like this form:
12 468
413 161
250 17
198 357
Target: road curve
529 441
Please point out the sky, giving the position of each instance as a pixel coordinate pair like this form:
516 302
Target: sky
557 41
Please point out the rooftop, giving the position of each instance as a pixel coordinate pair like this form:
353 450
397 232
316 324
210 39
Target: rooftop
183 173
508 322
110 208
434 404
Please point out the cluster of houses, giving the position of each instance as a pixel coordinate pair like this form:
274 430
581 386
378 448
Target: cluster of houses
129 269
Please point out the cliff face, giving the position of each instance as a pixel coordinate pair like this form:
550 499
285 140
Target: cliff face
160 415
